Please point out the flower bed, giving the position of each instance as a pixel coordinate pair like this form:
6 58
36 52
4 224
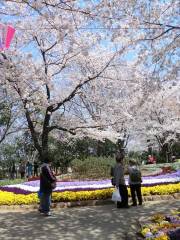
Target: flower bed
162 227
26 193
33 186
11 198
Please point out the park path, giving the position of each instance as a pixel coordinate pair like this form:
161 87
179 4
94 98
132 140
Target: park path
79 223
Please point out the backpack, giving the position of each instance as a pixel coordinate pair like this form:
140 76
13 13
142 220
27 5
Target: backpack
135 175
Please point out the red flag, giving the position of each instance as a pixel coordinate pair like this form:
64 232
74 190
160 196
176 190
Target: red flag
6 36
9 36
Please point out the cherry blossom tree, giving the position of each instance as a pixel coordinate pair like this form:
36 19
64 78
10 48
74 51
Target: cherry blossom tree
157 120
51 63
89 67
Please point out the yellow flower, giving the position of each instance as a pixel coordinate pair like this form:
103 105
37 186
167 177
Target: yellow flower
161 189
9 198
158 218
144 231
162 237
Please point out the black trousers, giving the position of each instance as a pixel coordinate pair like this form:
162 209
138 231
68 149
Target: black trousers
36 172
22 174
124 196
136 192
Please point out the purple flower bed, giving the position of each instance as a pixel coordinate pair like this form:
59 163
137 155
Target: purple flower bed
33 186
15 190
70 183
100 182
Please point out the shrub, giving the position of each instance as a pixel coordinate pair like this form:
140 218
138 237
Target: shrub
92 168
10 182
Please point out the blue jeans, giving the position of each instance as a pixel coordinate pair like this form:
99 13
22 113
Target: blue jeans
45 202
29 172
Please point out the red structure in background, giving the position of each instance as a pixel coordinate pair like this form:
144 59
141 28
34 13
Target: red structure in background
151 159
6 36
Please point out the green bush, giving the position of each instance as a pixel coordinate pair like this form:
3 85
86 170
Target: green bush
10 182
92 168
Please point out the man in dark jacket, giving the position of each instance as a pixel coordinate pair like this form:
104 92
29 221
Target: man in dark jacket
47 184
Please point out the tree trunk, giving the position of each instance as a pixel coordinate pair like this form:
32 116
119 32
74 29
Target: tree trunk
120 146
45 151
164 152
34 134
45 133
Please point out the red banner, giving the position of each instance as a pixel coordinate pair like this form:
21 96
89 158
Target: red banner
6 36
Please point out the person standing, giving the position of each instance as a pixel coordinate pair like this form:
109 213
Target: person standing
29 169
12 171
173 159
22 169
47 184
135 183
119 181
14 175
35 168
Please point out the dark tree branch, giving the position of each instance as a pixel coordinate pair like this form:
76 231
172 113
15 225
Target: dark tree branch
160 141
53 45
86 127
170 28
160 120
163 25
79 86
43 53
62 129
29 121
160 35
73 130
126 140
8 125
65 60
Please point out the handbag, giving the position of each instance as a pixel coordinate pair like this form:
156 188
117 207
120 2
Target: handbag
116 197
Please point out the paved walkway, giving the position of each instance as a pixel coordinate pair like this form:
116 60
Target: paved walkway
80 223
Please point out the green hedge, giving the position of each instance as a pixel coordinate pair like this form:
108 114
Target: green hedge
92 168
10 182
